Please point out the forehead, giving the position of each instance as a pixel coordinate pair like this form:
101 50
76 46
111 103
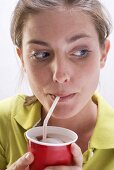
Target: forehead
59 22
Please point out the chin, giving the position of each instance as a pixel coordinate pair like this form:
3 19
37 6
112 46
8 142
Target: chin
65 115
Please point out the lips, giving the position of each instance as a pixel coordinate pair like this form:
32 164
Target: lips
63 97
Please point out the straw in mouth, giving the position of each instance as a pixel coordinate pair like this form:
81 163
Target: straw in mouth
48 117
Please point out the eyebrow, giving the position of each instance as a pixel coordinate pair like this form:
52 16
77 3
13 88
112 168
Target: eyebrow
39 42
68 40
77 37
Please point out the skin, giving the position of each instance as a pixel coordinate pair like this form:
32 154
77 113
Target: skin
62 73
70 69
24 162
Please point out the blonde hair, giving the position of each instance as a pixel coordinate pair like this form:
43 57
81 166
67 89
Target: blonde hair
24 8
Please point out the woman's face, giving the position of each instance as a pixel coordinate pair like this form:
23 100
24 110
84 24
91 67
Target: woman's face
62 57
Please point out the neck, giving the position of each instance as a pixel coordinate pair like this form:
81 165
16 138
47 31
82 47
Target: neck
80 123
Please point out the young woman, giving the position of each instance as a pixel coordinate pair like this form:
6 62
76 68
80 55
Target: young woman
62 46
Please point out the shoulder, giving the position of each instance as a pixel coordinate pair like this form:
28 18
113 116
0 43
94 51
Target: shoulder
103 106
13 110
103 135
13 99
105 113
8 106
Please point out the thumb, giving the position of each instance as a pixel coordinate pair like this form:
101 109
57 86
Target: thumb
77 155
23 162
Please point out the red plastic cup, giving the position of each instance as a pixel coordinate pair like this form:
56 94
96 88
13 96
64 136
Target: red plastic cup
50 154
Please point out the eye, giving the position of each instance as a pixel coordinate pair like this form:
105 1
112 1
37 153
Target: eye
81 53
40 55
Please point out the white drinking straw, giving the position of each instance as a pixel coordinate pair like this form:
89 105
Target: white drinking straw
48 117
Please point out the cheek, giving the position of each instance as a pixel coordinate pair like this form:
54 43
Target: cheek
38 77
90 74
93 75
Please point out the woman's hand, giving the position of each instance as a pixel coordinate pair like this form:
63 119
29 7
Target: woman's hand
23 162
77 157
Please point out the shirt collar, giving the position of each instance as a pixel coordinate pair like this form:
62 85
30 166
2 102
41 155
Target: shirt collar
26 116
103 135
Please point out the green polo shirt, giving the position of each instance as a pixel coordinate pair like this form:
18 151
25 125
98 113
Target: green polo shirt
15 119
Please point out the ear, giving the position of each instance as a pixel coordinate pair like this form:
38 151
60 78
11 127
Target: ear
19 53
105 51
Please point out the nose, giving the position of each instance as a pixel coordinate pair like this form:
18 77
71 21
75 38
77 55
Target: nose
61 72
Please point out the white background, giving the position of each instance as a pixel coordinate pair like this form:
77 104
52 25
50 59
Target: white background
9 67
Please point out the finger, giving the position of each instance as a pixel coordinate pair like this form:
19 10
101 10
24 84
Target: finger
23 162
77 155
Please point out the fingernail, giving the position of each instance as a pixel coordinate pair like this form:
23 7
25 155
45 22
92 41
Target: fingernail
28 156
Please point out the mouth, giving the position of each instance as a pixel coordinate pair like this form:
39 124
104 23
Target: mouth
63 97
